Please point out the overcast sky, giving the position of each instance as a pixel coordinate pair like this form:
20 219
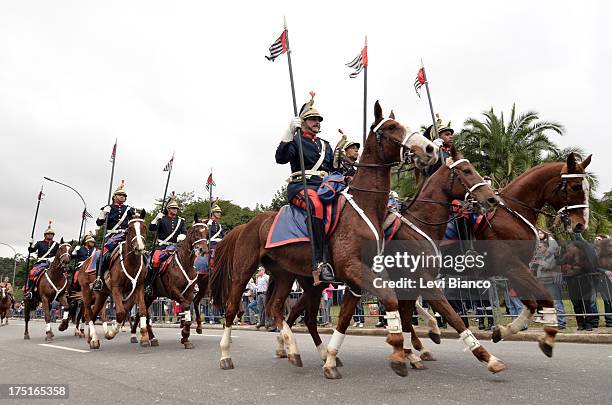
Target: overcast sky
191 77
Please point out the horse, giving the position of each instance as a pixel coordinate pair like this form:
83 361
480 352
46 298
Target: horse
177 282
51 287
124 276
241 251
5 305
452 181
604 253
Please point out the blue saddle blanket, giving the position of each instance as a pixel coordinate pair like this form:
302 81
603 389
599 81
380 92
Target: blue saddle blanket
290 224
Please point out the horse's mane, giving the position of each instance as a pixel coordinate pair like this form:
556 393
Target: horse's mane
534 171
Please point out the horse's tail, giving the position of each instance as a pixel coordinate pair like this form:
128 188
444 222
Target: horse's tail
221 275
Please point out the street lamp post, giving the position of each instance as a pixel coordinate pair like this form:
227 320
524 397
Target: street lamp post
84 214
14 260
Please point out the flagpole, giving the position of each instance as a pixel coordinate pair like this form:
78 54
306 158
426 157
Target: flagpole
163 200
108 201
365 93
33 229
301 153
210 192
431 110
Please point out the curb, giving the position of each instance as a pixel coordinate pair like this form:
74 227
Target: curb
525 336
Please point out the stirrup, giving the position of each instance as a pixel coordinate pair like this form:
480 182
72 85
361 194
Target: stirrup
28 295
97 285
324 272
148 291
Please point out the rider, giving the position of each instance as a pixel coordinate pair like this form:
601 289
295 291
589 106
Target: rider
318 161
345 156
9 290
215 229
445 141
45 252
170 230
116 215
82 253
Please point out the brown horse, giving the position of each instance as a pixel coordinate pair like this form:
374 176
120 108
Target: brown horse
177 282
241 251
123 280
452 181
5 305
51 287
604 253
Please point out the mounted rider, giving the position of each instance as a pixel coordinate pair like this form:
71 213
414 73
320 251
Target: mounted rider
170 230
318 162
6 284
45 252
116 216
82 253
444 142
346 154
215 229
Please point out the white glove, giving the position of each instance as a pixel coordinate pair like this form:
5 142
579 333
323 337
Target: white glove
75 250
181 237
295 123
158 217
438 142
107 209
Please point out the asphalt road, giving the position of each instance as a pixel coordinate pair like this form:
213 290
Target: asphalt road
121 372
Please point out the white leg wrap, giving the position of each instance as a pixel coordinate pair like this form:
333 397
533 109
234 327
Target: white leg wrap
143 322
92 331
322 352
225 342
518 323
48 327
336 341
394 322
105 326
429 319
469 340
289 339
65 316
407 341
187 316
549 316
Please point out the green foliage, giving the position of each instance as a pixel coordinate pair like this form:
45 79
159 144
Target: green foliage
279 199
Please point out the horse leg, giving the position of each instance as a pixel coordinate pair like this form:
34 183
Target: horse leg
133 326
152 338
113 330
66 313
430 321
438 303
202 284
186 330
142 314
26 318
406 310
46 306
92 314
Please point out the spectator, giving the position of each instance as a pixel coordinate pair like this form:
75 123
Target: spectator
544 265
328 294
247 298
261 283
358 315
578 265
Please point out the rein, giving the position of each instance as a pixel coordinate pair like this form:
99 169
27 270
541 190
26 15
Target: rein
61 266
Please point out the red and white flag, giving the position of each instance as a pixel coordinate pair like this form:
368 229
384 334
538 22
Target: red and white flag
278 47
210 182
360 62
168 166
419 81
113 153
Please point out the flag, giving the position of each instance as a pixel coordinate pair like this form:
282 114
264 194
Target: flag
86 214
278 47
359 62
114 152
168 166
419 81
210 182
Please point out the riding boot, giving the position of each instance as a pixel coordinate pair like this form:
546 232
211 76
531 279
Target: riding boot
27 294
324 271
100 270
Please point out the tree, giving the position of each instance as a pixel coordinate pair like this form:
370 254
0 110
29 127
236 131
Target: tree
504 150
278 201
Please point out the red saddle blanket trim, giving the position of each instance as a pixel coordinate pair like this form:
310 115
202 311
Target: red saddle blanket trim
166 263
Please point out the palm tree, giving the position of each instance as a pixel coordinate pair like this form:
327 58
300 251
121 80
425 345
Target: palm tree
505 150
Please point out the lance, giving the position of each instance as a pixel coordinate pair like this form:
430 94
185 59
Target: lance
210 192
108 201
365 91
40 196
163 206
301 154
431 110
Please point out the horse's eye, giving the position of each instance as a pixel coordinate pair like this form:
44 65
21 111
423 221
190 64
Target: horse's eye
392 127
576 188
467 171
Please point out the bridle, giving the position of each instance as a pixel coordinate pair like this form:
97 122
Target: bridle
453 176
193 245
137 230
563 212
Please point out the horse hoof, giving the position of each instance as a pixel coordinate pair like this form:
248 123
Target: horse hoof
339 362
295 359
154 342
496 335
48 338
434 337
108 335
546 348
399 367
226 364
26 337
427 356
199 330
495 365
281 354
332 373
63 326
94 344
51 334
417 365
145 343
133 339
188 345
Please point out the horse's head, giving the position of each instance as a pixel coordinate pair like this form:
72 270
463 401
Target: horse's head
197 237
571 196
390 139
63 253
137 233
464 181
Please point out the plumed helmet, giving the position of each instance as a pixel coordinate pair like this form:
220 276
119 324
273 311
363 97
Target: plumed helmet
49 230
89 238
120 189
308 110
216 208
393 194
443 126
172 203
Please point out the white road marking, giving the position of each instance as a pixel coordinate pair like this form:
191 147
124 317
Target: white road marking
63 348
